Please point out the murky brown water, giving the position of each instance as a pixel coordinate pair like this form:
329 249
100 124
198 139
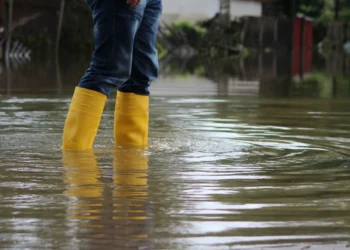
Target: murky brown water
221 173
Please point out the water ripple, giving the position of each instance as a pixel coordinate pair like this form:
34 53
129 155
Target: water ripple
220 173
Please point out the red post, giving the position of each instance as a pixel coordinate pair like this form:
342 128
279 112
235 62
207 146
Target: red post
302 46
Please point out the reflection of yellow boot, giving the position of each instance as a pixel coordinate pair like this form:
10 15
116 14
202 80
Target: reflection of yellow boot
84 186
83 119
131 120
130 177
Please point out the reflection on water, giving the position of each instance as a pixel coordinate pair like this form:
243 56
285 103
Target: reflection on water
108 210
222 171
262 73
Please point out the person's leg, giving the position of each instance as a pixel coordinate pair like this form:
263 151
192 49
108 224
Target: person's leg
145 60
115 26
131 111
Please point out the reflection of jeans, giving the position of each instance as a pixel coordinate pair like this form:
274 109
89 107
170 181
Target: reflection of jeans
125 55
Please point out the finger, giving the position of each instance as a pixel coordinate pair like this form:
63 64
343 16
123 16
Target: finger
135 3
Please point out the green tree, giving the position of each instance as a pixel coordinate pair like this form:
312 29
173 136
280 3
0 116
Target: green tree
311 8
344 14
328 13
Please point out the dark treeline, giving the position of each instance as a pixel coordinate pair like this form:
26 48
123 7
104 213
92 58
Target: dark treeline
35 22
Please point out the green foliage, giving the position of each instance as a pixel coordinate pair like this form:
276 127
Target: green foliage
162 51
327 47
187 27
316 84
199 71
245 53
311 8
343 86
222 41
184 32
193 66
328 11
322 10
344 15
326 17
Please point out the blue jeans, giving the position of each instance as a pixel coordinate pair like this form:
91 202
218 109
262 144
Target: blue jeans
125 55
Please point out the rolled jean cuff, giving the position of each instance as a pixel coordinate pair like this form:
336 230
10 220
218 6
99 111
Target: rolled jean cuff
103 88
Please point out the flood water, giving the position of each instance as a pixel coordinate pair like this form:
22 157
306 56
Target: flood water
226 169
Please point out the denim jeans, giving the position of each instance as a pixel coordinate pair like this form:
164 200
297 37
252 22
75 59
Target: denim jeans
125 55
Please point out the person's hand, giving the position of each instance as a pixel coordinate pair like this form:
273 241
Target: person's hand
133 3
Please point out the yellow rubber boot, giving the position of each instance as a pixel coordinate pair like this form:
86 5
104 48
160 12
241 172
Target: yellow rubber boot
131 120
83 119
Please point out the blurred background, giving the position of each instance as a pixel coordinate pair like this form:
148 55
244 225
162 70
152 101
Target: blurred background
271 48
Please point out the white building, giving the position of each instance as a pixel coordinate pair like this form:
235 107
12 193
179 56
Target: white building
196 10
241 8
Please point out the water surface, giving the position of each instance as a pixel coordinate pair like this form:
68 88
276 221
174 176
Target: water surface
221 172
